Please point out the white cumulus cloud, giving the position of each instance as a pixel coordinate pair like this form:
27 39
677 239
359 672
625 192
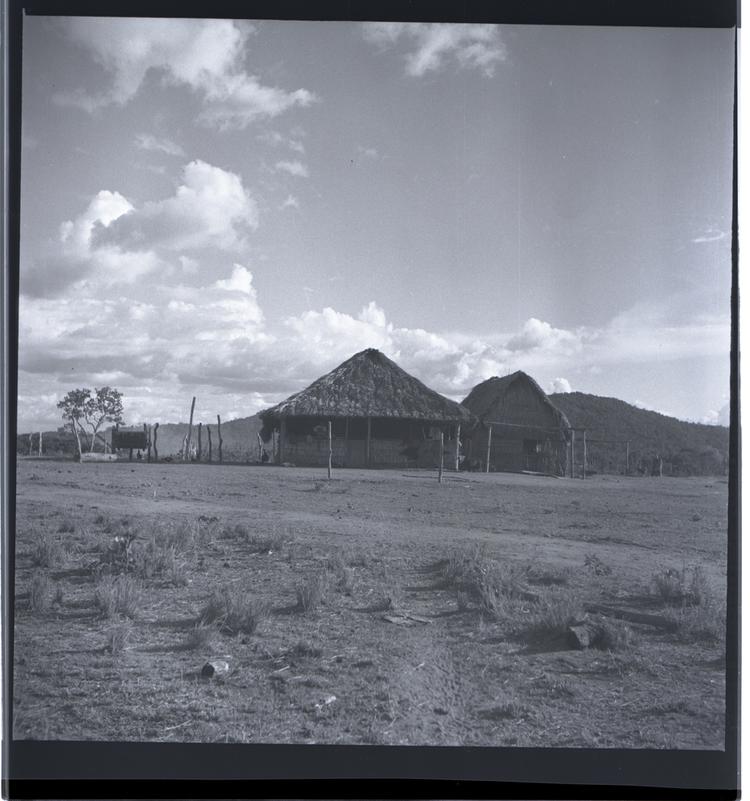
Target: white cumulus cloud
207 56
559 385
146 141
211 208
472 46
296 168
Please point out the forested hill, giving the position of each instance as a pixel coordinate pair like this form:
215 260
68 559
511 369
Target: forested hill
686 448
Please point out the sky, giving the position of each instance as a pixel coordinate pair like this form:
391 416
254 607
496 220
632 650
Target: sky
229 209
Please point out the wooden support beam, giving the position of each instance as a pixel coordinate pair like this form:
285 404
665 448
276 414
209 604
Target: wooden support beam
189 432
221 442
585 455
40 443
489 448
156 434
572 453
148 442
210 444
330 448
627 458
200 441
440 468
458 445
260 447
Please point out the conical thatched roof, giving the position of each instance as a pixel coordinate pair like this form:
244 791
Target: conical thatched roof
370 385
488 401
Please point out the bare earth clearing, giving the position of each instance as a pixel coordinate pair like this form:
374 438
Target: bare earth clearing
375 543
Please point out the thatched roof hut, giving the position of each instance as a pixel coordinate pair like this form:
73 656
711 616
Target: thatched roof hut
524 429
379 414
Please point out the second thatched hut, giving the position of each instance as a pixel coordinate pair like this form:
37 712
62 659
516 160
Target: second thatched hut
380 417
519 428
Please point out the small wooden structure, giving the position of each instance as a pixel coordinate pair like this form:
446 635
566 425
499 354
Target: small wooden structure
378 416
519 428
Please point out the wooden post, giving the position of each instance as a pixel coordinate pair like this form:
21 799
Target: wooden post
218 426
282 438
572 453
40 443
208 431
189 432
627 458
489 448
585 455
661 467
156 434
458 445
130 455
367 441
200 440
440 468
31 442
260 448
148 444
330 448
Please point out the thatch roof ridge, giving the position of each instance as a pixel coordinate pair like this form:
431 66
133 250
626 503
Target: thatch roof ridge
369 384
487 394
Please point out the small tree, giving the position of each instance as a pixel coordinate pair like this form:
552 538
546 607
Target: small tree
80 407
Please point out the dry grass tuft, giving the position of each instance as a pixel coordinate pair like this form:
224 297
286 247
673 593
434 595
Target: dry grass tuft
485 581
612 636
40 592
686 587
66 527
547 576
117 596
336 565
304 648
118 637
595 565
548 623
199 637
232 612
310 593
46 551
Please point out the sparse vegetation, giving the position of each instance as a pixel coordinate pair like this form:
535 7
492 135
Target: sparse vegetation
612 636
120 595
596 566
40 592
686 587
232 611
118 637
46 551
200 636
402 665
310 592
485 581
341 573
550 619
66 527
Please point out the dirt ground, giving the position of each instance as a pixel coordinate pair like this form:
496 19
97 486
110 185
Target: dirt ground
340 672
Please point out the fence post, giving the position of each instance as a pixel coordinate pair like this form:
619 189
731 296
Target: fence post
330 448
440 469
489 447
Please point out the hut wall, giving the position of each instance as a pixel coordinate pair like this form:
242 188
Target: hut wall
313 452
532 441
